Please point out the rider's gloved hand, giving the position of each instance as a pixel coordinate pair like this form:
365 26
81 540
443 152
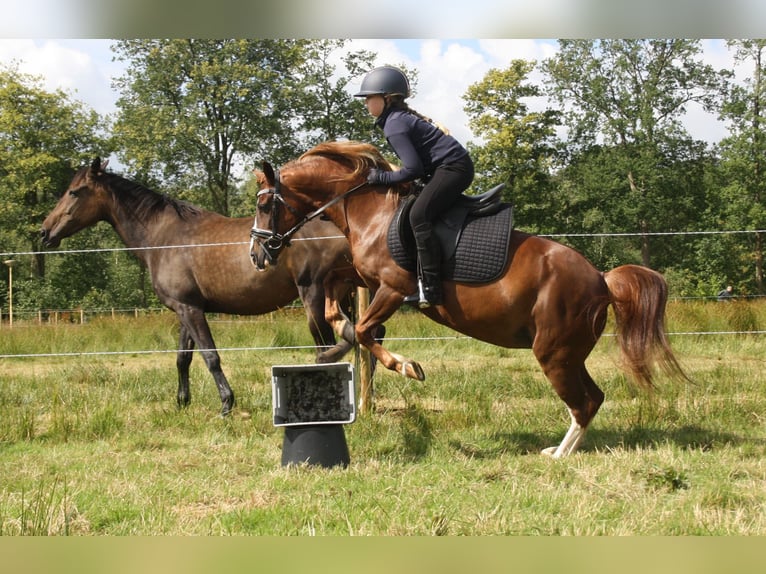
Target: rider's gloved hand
375 176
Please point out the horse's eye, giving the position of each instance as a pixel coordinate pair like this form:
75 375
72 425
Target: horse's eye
73 193
264 207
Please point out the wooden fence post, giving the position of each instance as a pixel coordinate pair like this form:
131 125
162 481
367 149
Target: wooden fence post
365 364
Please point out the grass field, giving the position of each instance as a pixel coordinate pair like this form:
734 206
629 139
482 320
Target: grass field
93 444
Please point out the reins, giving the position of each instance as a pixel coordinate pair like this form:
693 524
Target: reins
273 241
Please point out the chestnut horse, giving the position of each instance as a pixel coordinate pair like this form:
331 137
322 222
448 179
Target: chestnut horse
199 264
548 298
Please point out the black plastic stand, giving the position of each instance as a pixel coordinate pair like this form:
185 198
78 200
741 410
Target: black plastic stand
323 445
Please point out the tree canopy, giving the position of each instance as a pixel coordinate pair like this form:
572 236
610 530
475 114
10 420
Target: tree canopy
628 97
42 136
518 145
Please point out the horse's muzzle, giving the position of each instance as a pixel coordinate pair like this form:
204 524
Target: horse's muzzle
47 239
269 245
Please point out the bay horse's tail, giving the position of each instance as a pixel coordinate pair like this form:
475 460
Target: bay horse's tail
638 296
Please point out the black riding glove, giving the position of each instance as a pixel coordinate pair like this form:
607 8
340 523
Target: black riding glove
375 176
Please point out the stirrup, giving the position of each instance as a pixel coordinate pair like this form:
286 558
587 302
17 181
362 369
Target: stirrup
418 298
411 299
423 302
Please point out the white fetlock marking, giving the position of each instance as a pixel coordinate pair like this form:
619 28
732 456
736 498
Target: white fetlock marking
570 443
403 362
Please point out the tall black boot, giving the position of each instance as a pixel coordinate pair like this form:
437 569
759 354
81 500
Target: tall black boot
429 267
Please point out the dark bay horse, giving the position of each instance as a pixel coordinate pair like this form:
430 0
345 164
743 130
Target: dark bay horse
218 276
549 297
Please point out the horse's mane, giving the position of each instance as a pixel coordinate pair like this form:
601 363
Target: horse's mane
359 157
142 201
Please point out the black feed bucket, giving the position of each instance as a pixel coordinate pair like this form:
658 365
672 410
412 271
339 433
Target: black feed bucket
312 403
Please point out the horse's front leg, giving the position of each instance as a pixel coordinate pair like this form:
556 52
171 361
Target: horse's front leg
384 304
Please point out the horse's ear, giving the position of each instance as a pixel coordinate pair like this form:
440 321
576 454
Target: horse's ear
268 171
97 166
94 170
260 177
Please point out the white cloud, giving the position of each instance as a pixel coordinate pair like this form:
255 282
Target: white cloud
82 68
501 52
445 70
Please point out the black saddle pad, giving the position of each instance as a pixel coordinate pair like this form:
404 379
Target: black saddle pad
481 254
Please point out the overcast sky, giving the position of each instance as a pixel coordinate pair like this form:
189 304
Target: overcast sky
445 67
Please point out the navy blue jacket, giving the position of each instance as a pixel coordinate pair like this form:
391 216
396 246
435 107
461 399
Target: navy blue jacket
420 146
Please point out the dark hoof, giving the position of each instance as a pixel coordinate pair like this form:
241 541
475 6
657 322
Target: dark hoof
333 354
228 407
348 333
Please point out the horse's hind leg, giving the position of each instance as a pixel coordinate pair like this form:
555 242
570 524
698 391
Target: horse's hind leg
183 361
583 398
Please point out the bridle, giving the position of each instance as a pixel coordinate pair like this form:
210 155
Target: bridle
272 242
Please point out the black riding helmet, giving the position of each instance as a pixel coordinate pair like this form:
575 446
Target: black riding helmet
385 80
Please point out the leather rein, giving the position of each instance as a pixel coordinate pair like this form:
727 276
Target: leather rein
272 242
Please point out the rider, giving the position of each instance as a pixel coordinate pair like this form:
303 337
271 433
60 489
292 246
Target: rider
426 151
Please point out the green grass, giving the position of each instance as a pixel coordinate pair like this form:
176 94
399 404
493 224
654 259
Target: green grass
94 445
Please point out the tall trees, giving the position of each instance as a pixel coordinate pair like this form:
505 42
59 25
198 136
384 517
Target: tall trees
628 97
43 135
518 145
194 113
320 105
190 109
744 162
324 108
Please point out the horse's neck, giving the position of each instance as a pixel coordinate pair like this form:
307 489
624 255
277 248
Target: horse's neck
134 229
370 217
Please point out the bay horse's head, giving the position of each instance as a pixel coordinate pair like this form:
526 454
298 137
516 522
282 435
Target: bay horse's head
78 207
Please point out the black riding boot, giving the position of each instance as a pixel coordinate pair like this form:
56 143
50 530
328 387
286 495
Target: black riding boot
429 266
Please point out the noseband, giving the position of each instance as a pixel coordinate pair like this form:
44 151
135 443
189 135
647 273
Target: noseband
273 242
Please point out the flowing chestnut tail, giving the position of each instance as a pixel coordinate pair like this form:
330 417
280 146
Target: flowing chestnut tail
638 296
